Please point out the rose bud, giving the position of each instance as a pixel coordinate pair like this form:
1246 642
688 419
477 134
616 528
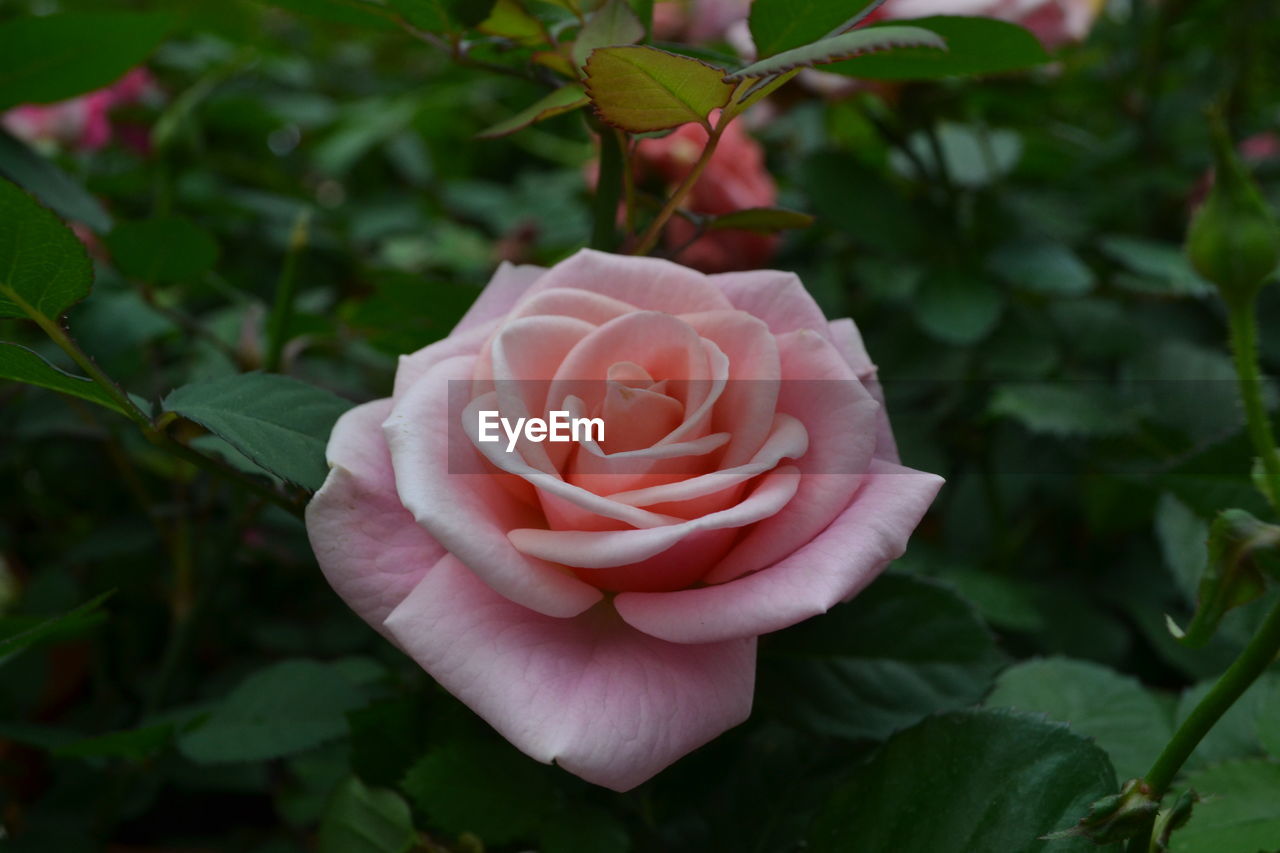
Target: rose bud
1234 240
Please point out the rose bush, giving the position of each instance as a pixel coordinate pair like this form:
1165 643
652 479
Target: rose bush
599 604
734 179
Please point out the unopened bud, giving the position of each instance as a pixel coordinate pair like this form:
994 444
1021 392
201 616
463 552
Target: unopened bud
1234 240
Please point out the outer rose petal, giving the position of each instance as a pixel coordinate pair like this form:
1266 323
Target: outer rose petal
839 562
603 700
647 283
367 544
414 366
502 292
848 340
777 298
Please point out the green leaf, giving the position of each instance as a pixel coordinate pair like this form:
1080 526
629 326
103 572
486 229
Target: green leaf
1238 812
1269 720
133 744
1062 409
578 829
853 674
642 89
779 25
443 16
481 787
958 307
1242 552
56 57
562 100
613 24
18 634
967 781
1183 537
386 738
280 423
974 157
43 266
40 177
1119 713
1236 734
283 709
974 46
22 365
164 250
762 220
1156 267
1041 266
360 819
841 47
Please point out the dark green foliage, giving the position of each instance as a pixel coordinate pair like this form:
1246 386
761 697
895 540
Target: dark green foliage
1009 244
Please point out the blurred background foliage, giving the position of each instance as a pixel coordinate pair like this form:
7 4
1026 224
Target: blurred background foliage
1010 248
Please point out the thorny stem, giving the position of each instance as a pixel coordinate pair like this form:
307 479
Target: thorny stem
650 237
1262 650
1244 346
1253 661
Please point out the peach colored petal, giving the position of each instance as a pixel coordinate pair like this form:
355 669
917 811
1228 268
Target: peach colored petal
470 513
820 389
647 283
778 298
500 295
367 544
605 702
837 563
590 549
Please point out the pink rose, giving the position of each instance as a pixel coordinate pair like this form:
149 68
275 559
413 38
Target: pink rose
1054 22
598 603
83 123
736 178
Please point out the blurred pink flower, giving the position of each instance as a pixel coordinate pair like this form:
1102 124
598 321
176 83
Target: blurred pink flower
735 179
697 21
1054 22
84 123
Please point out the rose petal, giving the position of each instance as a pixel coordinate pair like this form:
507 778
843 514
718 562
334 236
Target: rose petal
367 544
414 366
514 462
502 292
848 340
591 549
777 298
647 283
602 700
748 402
843 559
470 513
819 389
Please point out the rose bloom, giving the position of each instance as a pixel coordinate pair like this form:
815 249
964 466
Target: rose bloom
598 603
734 179
84 123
